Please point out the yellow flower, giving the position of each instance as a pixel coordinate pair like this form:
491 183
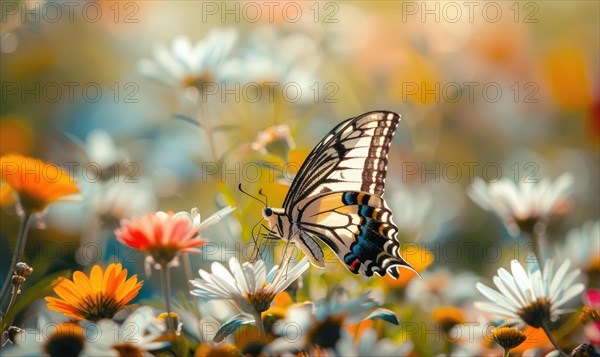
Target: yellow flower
7 196
448 317
37 183
508 337
99 296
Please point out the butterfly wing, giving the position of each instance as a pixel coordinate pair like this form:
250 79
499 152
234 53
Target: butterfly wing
357 226
352 157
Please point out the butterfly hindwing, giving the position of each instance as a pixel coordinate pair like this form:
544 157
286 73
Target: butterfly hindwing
357 226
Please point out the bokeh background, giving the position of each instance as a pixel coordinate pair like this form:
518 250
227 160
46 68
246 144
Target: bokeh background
509 89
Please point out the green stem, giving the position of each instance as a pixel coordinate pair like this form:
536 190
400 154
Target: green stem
547 331
166 282
187 266
26 220
204 118
505 354
13 298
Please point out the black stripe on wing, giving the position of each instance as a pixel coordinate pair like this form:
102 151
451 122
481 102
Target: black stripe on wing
352 157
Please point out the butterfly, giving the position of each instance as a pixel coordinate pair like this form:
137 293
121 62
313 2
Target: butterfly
337 198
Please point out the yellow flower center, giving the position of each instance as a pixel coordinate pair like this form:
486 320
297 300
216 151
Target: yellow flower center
508 337
261 300
128 350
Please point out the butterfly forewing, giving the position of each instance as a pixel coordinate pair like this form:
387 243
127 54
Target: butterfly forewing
352 157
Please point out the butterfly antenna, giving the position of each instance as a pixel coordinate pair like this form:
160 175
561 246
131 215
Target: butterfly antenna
260 192
256 198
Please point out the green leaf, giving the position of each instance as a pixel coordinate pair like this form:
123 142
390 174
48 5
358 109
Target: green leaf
187 119
225 127
232 325
31 293
383 314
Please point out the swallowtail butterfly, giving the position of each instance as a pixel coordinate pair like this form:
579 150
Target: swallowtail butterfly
336 197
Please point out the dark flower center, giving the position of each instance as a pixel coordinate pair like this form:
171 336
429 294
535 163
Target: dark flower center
326 333
65 342
98 307
536 313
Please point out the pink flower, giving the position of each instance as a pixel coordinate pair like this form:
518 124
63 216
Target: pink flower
591 300
162 236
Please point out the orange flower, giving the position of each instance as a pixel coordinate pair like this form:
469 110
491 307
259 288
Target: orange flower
36 182
99 296
161 235
418 258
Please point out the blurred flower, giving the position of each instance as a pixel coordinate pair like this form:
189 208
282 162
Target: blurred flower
99 296
522 205
186 65
583 350
582 247
134 337
533 297
321 326
568 78
247 285
222 350
270 58
275 140
7 196
417 258
163 235
36 182
441 287
448 317
368 345
122 200
54 340
414 208
508 338
590 316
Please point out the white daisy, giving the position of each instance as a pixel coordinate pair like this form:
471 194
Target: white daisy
287 60
187 65
582 247
368 345
441 287
521 206
532 296
322 324
196 219
136 336
246 285
276 140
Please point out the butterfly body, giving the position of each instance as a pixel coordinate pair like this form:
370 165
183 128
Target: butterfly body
336 198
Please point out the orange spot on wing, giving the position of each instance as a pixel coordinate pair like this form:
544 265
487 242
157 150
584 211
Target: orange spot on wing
353 266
